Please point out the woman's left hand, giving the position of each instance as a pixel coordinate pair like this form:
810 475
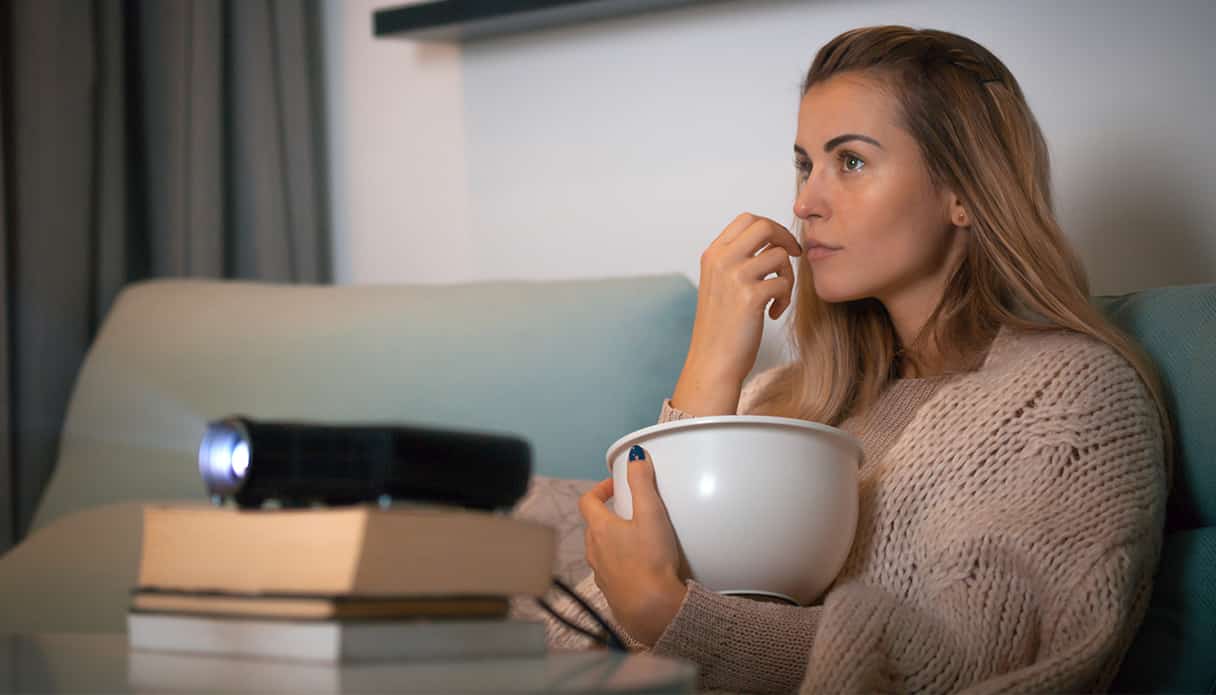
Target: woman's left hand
637 562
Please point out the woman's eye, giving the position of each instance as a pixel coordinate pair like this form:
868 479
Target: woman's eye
851 162
803 168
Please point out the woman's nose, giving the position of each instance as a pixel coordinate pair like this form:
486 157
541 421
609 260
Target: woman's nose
810 200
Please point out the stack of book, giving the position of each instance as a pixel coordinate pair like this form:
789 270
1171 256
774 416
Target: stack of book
339 584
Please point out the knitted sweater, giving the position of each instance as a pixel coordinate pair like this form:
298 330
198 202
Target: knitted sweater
1009 526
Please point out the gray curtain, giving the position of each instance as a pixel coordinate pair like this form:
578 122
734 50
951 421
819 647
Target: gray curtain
142 139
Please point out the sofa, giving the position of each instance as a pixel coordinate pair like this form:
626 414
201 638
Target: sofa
571 366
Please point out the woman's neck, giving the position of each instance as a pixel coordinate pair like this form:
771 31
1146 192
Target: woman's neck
911 307
930 361
908 369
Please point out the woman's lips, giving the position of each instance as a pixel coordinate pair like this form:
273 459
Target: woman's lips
817 252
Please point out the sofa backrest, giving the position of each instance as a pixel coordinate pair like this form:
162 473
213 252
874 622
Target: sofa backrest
1177 328
570 366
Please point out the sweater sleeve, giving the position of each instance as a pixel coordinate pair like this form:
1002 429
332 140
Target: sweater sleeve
748 396
738 644
983 635
1093 631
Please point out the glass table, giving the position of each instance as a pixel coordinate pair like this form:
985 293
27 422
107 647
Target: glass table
102 663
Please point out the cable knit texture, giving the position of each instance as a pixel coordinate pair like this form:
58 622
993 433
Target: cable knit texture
1010 523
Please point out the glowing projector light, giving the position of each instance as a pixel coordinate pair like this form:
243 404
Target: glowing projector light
300 464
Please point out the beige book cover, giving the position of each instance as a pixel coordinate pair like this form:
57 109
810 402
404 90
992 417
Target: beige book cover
345 551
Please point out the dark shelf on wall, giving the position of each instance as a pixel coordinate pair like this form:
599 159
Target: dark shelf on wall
466 20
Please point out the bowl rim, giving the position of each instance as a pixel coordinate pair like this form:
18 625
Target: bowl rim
689 423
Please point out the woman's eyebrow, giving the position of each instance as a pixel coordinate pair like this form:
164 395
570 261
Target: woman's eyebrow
841 139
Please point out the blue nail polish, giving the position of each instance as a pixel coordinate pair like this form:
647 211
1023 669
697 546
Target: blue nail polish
636 453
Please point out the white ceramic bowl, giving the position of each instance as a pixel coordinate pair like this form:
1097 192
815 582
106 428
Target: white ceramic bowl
761 505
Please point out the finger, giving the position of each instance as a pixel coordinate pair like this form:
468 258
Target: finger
771 260
591 503
778 289
762 232
784 300
603 489
735 228
643 486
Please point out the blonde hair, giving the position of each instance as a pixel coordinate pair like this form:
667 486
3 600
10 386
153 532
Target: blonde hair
979 138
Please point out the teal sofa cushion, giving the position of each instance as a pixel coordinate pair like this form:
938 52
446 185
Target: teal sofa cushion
1175 649
570 366
1177 327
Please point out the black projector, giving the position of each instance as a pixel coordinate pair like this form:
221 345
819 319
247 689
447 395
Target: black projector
300 464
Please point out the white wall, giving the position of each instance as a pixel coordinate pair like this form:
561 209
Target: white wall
622 147
396 138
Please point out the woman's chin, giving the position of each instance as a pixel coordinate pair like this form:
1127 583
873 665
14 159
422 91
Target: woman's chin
832 294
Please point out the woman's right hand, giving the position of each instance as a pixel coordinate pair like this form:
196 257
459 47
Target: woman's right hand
730 311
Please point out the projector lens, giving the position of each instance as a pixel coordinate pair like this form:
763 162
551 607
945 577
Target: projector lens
240 459
223 456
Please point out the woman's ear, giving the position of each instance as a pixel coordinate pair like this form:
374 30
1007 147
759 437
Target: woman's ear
958 213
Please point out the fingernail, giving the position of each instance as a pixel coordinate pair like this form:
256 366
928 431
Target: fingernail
636 453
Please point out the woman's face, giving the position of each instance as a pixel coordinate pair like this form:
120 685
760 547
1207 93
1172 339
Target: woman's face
864 188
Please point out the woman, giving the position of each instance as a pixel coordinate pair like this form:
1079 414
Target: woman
1014 476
